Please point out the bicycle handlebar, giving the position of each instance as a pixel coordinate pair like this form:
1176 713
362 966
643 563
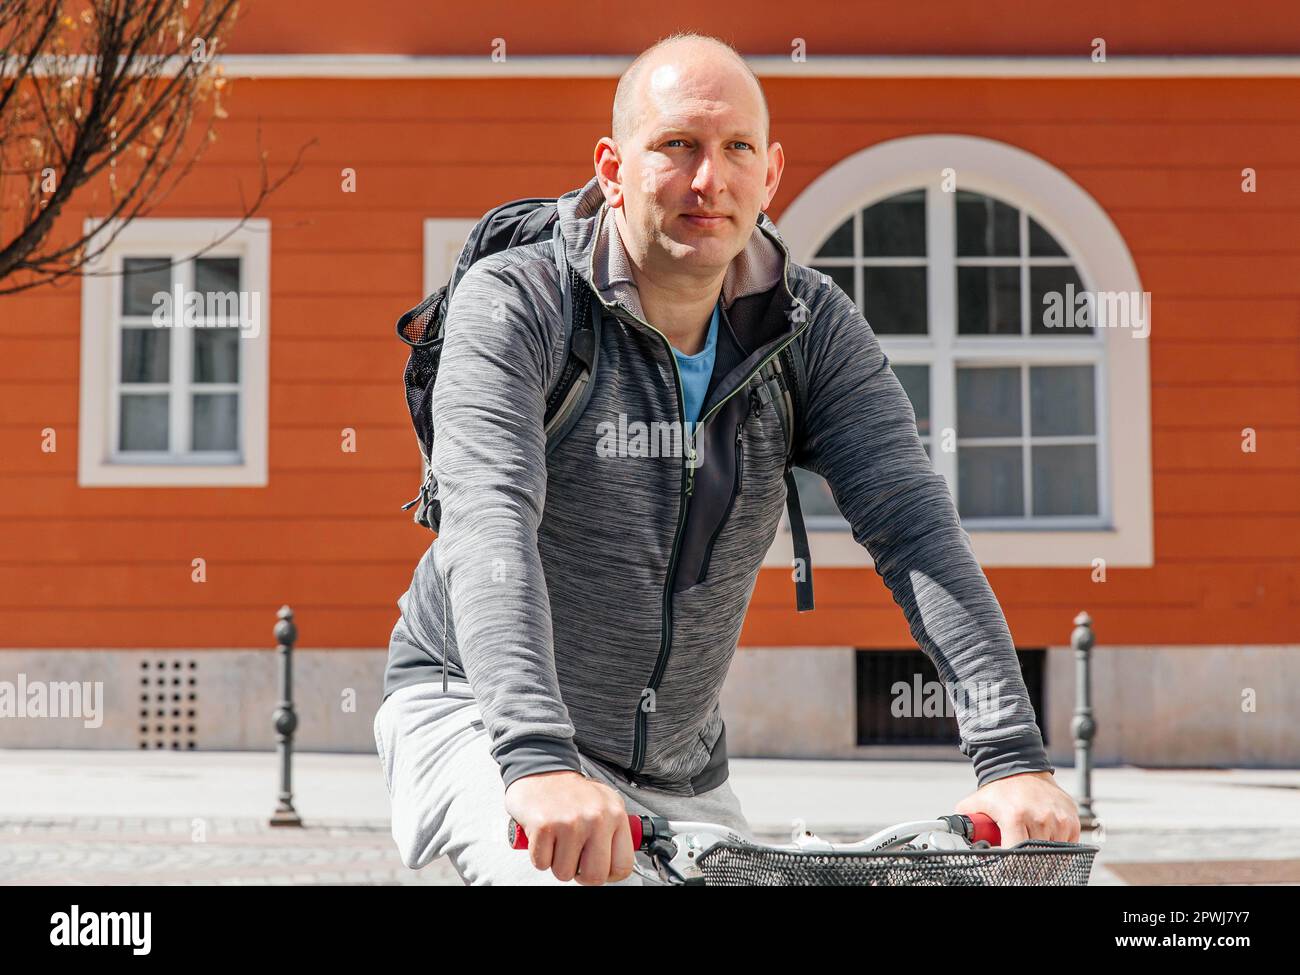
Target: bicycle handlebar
519 839
978 827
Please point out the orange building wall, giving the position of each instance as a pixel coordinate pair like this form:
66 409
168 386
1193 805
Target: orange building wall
938 27
110 567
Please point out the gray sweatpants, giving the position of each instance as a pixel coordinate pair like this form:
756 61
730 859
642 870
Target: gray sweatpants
448 798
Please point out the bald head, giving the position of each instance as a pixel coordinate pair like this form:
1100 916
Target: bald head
688 169
683 52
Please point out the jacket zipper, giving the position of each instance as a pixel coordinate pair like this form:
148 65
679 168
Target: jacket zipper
661 662
688 485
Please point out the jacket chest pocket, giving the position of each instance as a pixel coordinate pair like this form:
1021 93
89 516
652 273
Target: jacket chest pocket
757 489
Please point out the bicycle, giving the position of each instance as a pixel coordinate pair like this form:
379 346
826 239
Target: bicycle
951 851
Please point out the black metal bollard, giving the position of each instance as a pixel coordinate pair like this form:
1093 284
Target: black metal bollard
286 721
1084 726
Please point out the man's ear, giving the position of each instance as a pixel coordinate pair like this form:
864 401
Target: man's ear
609 170
775 166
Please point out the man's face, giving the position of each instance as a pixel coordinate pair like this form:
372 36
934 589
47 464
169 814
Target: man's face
697 170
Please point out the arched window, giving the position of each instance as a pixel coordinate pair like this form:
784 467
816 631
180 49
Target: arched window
992 282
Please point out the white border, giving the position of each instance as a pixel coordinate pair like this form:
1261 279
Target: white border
252 242
764 65
1086 231
443 239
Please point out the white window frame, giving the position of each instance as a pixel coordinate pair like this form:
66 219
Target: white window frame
99 462
1122 533
443 239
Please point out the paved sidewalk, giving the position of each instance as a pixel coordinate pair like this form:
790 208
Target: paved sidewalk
117 817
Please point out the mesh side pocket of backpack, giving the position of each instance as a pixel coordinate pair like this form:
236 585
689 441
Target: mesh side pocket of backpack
421 329
1032 863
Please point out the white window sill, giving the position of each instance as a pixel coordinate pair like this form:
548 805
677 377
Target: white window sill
171 472
1044 548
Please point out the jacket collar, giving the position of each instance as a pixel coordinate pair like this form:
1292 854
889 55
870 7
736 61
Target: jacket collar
595 249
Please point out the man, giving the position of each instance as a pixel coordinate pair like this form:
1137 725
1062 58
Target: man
563 645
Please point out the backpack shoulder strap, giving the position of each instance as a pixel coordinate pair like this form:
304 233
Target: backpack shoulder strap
795 374
573 387
791 377
803 583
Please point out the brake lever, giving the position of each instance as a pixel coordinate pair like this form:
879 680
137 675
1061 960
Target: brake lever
676 860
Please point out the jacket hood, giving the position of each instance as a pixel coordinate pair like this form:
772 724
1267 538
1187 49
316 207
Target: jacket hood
595 249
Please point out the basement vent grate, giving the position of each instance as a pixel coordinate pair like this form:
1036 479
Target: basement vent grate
169 701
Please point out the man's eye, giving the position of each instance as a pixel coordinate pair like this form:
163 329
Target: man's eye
736 143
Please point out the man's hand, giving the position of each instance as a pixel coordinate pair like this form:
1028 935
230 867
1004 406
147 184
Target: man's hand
577 828
1028 805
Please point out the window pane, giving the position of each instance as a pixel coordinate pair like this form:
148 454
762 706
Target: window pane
988 402
1055 295
815 496
1061 401
1065 480
895 227
216 274
986 227
989 482
216 355
895 300
988 300
840 242
843 276
216 421
916 383
1041 243
146 355
142 278
143 422
217 279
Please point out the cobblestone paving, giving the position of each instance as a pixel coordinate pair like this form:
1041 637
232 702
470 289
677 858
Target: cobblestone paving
126 851
217 851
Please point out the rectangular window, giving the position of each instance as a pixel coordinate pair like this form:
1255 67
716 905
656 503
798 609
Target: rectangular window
178 390
174 359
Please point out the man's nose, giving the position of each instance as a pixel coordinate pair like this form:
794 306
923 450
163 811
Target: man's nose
708 174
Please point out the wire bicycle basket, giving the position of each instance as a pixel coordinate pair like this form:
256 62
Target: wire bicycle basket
951 851
1031 863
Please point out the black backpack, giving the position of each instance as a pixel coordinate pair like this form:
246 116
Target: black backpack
536 220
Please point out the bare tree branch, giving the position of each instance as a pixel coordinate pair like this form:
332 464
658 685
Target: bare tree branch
104 100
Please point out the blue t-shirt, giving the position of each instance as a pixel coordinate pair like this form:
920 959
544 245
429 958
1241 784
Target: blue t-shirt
697 370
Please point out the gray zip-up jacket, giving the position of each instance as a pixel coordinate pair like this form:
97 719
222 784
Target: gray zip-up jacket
593 599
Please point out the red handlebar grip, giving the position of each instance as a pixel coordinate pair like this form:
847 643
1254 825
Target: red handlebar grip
985 829
518 839
516 836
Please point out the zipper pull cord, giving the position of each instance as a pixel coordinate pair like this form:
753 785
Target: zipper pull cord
691 439
740 460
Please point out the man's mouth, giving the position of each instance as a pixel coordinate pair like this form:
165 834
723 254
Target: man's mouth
704 219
